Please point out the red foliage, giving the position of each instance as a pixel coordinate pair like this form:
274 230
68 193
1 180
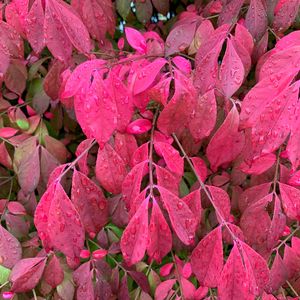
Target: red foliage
166 167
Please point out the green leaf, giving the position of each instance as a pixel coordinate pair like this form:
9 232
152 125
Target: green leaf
4 274
23 124
123 8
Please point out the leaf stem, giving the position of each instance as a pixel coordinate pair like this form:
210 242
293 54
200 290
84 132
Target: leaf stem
151 184
73 163
286 239
206 191
292 289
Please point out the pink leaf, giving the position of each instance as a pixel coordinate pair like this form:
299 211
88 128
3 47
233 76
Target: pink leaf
285 15
203 117
7 132
82 162
16 208
233 283
136 40
227 143
221 202
10 248
131 185
146 75
256 20
163 289
290 201
207 258
60 31
26 274
167 179
97 116
135 237
180 37
230 12
259 165
278 274
34 23
125 146
193 200
110 169
160 237
244 37
98 16
232 71
64 233
81 77
181 217
139 126
200 167
83 278
54 274
171 156
257 269
89 202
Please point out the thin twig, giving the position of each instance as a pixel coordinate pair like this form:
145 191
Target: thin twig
206 191
292 289
286 239
71 165
151 154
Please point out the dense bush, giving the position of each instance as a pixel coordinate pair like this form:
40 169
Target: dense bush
150 149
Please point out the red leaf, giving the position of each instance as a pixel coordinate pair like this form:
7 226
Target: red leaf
230 12
160 237
257 270
98 16
16 208
290 201
26 274
123 100
29 171
139 126
277 224
256 20
136 40
7 132
207 258
291 260
227 143
97 116
82 162
203 117
58 222
180 37
221 202
84 72
146 75
200 167
54 274
110 169
181 217
10 249
83 278
233 283
135 237
285 15
259 165
34 23
193 200
252 195
90 203
163 289
232 71
131 185
162 6
60 32
167 179
171 156
244 37
125 146
278 274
